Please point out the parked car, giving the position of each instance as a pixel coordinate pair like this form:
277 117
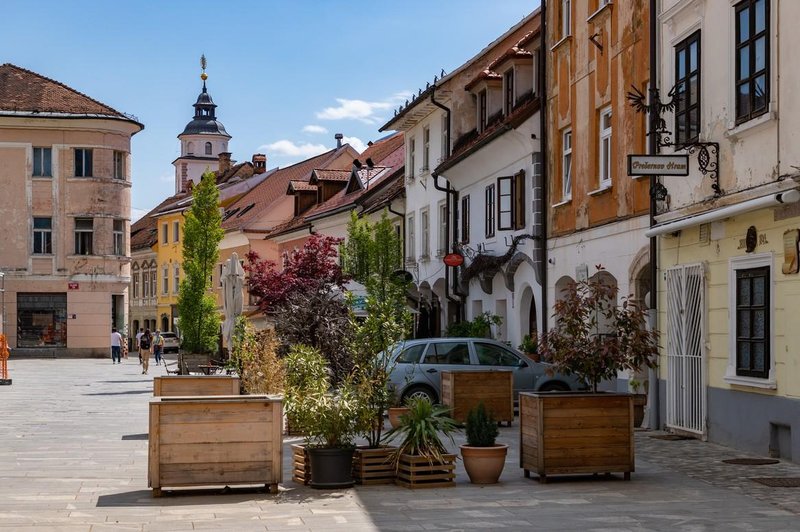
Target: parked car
172 343
418 363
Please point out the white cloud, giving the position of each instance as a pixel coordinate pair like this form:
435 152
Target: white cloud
136 214
356 143
289 148
361 110
312 128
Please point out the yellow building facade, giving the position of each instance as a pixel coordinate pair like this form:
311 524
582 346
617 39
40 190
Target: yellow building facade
169 255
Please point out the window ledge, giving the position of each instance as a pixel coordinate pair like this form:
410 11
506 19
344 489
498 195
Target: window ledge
752 382
42 177
566 201
735 131
560 43
601 190
599 11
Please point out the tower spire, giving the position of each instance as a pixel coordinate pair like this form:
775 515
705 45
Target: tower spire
203 74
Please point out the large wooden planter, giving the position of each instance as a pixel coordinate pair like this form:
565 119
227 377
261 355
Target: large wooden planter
215 441
416 472
463 390
374 466
576 432
195 385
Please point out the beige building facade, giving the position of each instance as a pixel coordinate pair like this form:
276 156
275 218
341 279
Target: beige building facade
65 176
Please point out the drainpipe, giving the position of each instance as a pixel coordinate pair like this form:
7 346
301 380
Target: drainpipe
543 158
449 209
652 373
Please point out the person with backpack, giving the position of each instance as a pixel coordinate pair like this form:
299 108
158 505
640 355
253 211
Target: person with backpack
145 348
158 346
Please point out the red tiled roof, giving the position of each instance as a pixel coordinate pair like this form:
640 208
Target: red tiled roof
383 149
275 186
302 186
331 175
378 197
26 91
485 75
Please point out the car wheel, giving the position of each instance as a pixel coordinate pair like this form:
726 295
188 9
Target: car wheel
420 392
554 387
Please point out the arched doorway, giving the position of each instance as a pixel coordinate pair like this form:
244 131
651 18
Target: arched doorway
527 309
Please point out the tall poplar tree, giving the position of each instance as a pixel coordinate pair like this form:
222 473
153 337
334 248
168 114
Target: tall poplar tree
202 232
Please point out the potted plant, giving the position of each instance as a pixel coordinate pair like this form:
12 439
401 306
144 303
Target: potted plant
483 457
329 416
530 347
593 338
421 458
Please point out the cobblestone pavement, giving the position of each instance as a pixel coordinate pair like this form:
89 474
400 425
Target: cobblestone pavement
73 456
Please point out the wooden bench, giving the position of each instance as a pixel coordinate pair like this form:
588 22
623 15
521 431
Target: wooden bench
172 368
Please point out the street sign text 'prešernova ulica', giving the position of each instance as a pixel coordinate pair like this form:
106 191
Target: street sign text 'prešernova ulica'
658 165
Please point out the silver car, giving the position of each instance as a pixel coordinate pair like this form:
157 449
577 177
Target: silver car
171 342
417 364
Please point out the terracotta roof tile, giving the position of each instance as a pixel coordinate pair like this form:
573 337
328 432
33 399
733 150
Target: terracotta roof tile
26 91
303 186
330 175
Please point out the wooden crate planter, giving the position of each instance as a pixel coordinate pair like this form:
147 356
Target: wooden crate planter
301 465
373 466
416 472
463 390
194 385
215 441
576 433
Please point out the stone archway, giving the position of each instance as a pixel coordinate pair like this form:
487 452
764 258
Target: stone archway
527 313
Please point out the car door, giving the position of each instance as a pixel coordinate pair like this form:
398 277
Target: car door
406 370
452 355
490 355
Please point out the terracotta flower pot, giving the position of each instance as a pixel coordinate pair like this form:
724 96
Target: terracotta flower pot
484 464
394 415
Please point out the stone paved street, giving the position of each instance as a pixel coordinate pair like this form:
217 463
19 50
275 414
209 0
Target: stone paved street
73 456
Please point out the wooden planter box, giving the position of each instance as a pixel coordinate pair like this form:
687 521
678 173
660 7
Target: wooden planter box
215 441
194 385
463 390
374 466
576 432
416 472
301 465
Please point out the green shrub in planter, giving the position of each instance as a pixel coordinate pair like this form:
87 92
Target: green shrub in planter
481 428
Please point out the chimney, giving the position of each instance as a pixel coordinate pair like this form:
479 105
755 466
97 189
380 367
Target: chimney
224 161
259 163
338 138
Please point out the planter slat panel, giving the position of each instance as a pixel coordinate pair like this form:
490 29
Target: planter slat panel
416 472
373 466
184 433
301 465
195 385
463 390
576 433
215 440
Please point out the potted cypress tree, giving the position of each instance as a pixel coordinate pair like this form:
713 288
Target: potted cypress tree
199 319
593 338
483 457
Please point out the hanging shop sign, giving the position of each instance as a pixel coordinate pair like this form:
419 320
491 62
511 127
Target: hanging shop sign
453 259
658 165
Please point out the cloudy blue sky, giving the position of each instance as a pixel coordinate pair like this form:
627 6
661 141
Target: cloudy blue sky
286 74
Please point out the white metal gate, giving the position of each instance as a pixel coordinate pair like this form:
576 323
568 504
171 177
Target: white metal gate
686 392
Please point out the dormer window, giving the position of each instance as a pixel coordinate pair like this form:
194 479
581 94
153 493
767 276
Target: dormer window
482 103
508 88
208 148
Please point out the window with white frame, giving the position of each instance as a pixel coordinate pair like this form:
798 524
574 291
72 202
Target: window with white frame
482 110
508 91
412 157
176 278
165 280
42 162
752 59
164 234
42 236
566 165
426 147
411 244
84 236
566 18
83 162
489 211
135 282
146 283
442 245
119 164
465 219
153 281
604 147
176 231
119 237
208 148
751 328
425 233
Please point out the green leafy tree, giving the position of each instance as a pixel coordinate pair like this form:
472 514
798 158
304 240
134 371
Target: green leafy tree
202 233
372 255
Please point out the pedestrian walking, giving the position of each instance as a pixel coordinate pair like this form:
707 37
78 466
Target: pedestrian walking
158 346
145 348
116 346
138 347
